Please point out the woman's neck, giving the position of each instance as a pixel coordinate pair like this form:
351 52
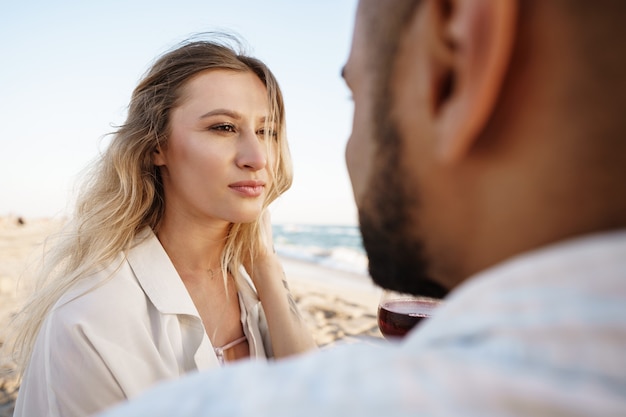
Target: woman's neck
193 246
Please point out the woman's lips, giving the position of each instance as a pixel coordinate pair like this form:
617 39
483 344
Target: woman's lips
248 188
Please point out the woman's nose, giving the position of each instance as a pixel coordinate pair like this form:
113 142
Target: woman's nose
251 152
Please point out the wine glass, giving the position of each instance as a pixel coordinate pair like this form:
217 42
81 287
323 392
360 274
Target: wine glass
398 313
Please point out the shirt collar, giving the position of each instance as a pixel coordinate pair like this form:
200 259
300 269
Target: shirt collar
574 277
566 262
158 277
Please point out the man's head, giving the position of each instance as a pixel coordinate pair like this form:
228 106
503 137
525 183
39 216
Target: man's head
482 129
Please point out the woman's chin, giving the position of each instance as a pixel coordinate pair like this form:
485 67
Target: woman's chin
246 217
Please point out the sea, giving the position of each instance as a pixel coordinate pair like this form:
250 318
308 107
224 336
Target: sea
332 246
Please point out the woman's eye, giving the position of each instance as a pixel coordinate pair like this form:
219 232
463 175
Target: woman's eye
272 133
223 128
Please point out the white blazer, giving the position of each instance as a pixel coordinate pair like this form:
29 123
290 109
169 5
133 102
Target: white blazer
121 330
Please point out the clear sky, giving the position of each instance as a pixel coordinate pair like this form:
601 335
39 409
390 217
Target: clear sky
68 68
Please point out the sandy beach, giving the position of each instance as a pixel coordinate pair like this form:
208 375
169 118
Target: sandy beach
340 307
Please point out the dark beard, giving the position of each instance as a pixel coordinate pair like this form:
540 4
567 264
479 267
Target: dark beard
389 225
396 257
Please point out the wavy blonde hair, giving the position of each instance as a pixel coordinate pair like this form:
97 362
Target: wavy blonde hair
123 192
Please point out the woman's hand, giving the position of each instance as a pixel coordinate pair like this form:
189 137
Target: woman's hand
288 331
265 253
266 239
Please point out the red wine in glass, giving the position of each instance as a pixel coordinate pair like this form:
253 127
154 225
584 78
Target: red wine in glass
397 316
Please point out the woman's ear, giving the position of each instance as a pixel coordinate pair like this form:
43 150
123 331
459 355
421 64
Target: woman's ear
158 156
471 44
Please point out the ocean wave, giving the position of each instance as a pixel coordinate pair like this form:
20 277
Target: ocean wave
337 247
341 258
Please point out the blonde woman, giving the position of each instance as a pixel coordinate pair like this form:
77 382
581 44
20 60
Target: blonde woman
168 265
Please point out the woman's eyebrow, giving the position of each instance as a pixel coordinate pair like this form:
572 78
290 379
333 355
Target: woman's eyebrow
223 112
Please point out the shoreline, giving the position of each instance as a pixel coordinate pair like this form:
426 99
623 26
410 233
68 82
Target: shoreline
340 307
354 286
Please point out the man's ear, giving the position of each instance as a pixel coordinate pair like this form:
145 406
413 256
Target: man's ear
471 43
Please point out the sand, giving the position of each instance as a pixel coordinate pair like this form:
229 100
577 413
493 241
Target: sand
340 307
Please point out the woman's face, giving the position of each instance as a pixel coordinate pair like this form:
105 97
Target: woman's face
215 164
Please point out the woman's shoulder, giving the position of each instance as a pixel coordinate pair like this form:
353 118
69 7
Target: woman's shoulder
112 283
103 293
